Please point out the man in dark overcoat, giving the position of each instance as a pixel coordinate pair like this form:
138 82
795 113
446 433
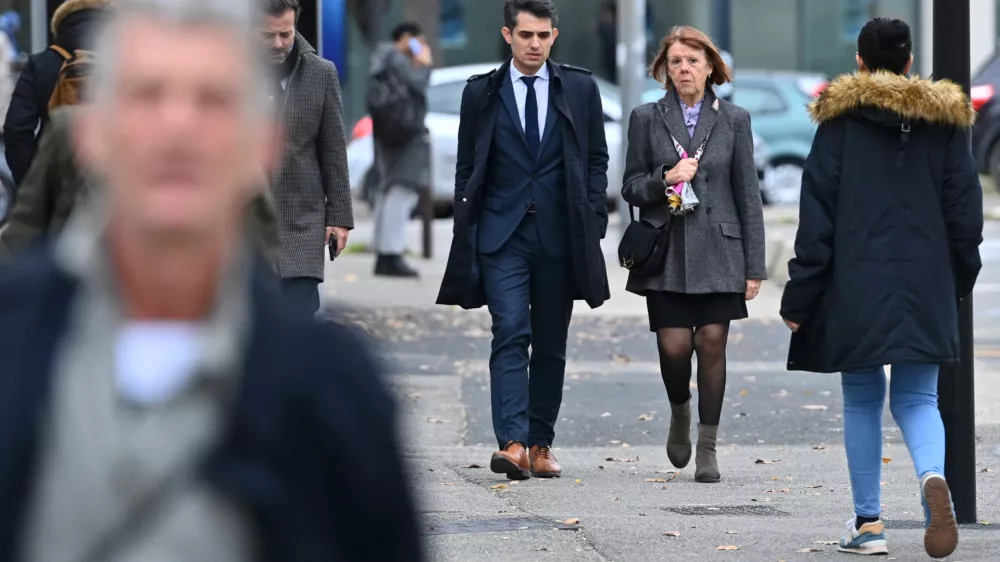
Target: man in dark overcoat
530 213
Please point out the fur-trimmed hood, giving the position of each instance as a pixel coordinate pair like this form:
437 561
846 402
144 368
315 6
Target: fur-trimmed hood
70 7
941 102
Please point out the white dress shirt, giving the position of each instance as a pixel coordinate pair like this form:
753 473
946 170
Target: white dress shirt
541 94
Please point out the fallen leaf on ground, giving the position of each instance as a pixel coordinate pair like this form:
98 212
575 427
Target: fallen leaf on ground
577 480
498 487
436 420
621 358
987 470
762 500
473 465
814 407
606 415
886 460
819 447
656 480
732 532
571 521
781 491
645 417
672 534
809 550
447 483
541 549
762 461
827 543
727 547
813 487
616 459
744 392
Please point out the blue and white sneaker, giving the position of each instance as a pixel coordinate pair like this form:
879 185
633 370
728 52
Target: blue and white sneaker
869 539
940 527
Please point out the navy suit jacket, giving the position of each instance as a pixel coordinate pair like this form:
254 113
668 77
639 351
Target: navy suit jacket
310 449
585 163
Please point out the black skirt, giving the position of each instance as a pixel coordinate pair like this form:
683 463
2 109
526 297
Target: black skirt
680 310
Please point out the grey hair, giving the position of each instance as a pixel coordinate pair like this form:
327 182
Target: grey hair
240 18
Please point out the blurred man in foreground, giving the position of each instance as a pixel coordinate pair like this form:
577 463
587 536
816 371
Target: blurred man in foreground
157 402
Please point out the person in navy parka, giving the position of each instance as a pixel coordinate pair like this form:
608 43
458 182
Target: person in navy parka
891 220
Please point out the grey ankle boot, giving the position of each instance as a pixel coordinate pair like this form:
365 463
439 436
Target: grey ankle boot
679 438
706 467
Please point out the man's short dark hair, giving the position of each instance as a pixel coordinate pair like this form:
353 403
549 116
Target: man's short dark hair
885 44
278 8
539 8
410 28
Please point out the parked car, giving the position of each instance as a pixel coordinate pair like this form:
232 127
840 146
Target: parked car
986 131
444 97
777 104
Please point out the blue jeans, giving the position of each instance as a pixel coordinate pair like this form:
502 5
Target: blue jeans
913 403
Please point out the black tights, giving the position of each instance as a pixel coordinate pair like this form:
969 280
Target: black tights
676 346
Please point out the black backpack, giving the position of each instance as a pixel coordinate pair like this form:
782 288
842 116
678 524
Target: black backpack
393 107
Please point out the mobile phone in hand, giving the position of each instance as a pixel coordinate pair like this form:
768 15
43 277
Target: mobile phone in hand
332 247
415 46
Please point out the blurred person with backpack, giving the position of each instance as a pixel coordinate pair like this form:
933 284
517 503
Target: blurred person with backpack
73 25
397 103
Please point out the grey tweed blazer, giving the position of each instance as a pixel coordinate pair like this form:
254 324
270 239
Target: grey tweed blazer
720 245
311 185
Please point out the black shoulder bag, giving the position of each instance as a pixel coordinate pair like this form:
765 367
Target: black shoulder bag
643 249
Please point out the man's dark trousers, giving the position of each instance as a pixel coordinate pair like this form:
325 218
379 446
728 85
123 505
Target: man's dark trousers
301 293
524 259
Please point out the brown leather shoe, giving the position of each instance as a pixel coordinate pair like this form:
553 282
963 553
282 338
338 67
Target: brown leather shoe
512 460
544 463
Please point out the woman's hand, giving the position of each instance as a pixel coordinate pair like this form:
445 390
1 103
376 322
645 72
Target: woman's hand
793 326
683 171
753 287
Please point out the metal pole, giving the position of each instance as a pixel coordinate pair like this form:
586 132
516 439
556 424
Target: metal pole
39 25
723 12
631 72
956 390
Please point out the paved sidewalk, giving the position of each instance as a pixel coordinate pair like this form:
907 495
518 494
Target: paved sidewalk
788 507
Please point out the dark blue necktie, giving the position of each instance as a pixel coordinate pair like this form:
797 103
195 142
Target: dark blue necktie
531 115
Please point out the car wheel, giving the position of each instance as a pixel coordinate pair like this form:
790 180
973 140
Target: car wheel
782 183
6 199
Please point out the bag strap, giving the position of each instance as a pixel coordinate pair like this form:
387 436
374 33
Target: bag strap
62 52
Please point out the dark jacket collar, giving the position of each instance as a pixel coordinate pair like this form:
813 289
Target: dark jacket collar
503 72
942 102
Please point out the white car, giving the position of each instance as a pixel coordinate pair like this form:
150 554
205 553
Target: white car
444 97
